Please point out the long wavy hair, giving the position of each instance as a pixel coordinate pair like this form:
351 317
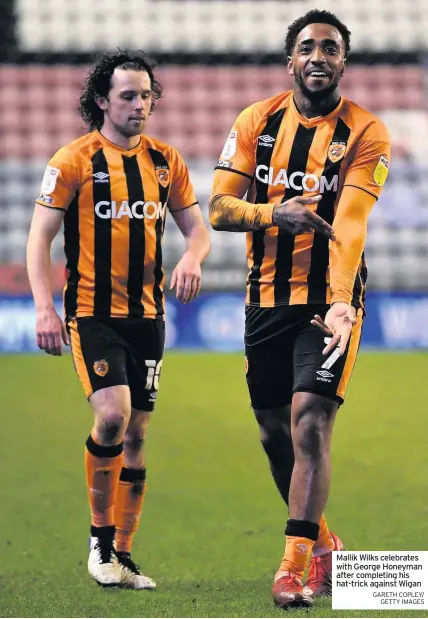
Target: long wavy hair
98 82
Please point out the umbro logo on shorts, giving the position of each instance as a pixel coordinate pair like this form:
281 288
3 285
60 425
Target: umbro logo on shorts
325 374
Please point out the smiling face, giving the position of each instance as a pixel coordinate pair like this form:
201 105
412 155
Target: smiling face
318 61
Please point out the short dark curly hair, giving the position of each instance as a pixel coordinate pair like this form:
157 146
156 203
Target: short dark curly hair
315 17
98 82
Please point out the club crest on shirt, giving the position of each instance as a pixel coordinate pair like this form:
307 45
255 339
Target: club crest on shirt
336 151
101 367
162 174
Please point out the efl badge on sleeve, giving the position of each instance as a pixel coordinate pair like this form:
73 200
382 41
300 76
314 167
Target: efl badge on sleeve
162 174
229 149
336 151
101 368
224 164
47 199
49 180
381 171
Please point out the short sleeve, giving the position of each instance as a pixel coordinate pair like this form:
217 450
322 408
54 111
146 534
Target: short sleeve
370 160
239 152
182 194
60 181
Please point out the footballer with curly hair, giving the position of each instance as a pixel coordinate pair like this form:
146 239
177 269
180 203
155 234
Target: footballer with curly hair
112 188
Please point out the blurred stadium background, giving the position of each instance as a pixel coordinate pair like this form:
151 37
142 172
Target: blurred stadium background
215 57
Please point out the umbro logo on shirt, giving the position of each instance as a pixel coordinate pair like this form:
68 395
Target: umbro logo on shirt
266 140
101 177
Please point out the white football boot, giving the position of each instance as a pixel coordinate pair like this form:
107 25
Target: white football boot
132 578
103 565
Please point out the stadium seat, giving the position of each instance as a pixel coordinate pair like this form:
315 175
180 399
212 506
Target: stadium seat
217 25
38 103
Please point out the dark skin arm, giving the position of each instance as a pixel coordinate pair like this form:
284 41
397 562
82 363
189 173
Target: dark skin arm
230 213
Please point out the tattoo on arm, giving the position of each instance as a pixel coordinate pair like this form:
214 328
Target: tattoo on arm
234 215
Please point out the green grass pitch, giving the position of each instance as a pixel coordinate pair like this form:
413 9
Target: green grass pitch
212 529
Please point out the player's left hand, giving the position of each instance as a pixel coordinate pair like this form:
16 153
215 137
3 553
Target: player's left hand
337 324
186 278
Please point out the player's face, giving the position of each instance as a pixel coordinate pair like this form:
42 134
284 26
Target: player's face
127 106
318 60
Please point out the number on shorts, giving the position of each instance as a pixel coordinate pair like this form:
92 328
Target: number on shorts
153 374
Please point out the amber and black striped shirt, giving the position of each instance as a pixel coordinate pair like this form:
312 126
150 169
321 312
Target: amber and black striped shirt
115 202
284 155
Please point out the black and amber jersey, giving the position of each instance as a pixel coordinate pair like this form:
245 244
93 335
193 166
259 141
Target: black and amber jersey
115 202
285 155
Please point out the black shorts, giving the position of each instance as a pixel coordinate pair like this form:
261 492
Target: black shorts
284 355
119 351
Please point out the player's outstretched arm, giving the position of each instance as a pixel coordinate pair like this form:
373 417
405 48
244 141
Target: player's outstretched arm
234 215
50 329
187 275
363 184
230 213
350 225
295 217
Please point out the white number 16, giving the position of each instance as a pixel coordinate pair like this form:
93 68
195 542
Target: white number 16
153 374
